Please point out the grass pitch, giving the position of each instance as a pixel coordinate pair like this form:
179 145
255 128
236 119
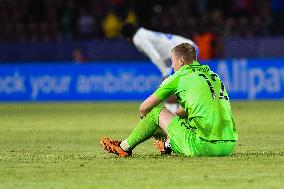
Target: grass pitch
56 145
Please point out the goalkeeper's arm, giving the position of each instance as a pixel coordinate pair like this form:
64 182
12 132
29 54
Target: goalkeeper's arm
148 104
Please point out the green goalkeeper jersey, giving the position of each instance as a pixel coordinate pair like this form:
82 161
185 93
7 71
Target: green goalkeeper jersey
204 98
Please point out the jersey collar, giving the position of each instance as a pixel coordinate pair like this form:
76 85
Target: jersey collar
195 65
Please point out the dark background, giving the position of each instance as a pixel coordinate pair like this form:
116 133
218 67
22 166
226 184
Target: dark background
82 30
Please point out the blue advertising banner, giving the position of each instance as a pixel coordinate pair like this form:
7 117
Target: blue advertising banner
244 79
97 81
251 79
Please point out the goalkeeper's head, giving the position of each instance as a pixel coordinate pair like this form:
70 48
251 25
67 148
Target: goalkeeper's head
183 54
128 30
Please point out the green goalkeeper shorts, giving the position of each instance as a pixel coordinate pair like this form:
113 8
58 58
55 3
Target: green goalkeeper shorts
185 141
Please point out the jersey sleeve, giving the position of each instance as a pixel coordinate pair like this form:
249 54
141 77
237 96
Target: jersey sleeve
167 88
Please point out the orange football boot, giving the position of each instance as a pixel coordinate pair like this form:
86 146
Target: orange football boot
160 145
113 146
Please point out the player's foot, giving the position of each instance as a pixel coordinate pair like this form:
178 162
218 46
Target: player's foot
160 144
113 146
109 144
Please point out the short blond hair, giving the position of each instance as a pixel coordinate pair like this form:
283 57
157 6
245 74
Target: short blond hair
186 51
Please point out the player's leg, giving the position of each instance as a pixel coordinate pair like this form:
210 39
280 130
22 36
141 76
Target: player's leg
184 140
165 118
171 104
148 126
143 131
182 136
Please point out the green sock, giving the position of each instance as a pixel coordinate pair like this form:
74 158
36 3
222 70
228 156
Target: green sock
145 128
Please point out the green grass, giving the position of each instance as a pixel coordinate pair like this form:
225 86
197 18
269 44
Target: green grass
56 145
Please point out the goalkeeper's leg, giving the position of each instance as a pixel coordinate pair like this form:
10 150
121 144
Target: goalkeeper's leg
171 104
144 130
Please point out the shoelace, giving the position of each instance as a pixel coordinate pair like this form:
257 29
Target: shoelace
115 142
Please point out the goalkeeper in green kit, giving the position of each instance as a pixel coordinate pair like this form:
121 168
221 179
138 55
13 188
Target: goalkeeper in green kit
203 126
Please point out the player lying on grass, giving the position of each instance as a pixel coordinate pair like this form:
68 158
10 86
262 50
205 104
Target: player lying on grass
204 126
157 46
